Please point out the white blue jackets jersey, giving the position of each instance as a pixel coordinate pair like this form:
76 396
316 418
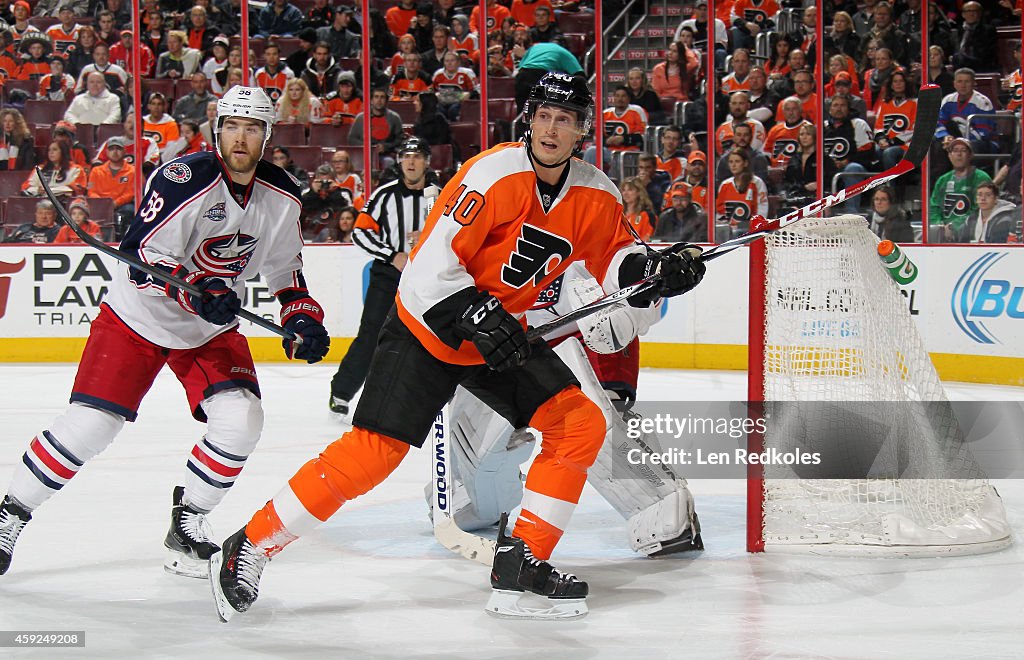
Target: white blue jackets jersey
190 217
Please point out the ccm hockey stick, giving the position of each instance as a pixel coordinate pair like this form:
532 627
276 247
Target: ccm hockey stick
162 275
929 101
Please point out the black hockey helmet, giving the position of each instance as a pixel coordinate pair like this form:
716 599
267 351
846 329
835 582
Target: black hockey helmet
415 145
562 90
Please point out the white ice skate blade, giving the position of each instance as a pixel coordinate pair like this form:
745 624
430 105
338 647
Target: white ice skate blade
178 563
506 605
224 609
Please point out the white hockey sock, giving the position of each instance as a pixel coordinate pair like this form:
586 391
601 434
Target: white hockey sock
56 454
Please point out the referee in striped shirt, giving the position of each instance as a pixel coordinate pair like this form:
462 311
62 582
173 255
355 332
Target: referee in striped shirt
387 228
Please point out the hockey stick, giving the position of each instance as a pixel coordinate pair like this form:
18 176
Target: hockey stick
65 217
446 531
929 101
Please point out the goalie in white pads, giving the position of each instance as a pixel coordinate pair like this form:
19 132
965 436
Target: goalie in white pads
214 220
487 452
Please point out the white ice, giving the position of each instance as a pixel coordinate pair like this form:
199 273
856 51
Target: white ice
372 582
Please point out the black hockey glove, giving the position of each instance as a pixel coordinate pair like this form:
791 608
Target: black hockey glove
218 303
304 317
680 268
497 334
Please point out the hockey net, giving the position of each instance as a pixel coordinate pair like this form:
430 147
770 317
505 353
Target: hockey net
836 358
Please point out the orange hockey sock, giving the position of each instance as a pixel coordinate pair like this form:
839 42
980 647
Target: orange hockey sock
572 429
347 468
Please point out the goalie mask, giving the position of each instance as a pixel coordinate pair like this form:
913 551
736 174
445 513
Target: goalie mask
563 91
248 103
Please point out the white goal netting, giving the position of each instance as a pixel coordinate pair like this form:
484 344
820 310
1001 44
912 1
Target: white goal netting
845 373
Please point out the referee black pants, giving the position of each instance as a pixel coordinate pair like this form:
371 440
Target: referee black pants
380 297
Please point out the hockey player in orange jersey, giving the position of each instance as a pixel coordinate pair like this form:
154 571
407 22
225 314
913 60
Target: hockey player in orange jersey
504 228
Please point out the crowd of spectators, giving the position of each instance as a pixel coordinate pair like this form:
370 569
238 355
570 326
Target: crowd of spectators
427 60
765 139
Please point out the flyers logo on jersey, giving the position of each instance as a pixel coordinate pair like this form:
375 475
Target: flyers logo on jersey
956 204
537 253
895 122
837 147
784 148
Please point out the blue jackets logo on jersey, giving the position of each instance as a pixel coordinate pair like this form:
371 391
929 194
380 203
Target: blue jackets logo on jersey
216 213
225 256
178 172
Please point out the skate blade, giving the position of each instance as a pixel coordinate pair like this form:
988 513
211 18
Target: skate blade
180 564
506 605
224 609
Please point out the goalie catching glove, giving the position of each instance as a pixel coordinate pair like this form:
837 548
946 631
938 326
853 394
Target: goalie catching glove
679 266
303 316
498 336
218 304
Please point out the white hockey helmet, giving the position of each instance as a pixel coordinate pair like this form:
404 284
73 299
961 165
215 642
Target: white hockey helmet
247 102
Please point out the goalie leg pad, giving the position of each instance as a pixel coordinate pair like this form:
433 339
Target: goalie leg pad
655 501
486 455
235 422
58 453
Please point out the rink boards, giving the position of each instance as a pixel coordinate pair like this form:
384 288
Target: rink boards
968 302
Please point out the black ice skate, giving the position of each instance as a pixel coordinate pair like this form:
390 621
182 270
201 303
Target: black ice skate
189 541
235 575
13 519
516 570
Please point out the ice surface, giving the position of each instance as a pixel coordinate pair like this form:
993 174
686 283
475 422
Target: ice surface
372 582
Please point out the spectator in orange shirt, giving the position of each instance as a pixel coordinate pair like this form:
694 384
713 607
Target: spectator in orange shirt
344 176
115 179
79 212
523 10
56 85
400 18
495 15
410 81
158 125
638 208
344 106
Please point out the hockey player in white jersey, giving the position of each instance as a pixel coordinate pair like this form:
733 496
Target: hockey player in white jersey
214 219
487 451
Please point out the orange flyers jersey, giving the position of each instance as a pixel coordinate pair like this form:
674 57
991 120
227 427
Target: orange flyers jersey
488 231
30 70
781 144
495 15
755 11
723 136
808 106
522 11
163 132
723 11
62 40
1015 90
273 84
896 120
466 47
347 109
632 120
399 20
405 89
730 84
738 206
105 183
675 166
642 223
